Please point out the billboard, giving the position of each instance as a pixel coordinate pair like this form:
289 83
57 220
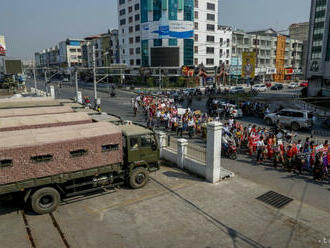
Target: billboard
235 67
280 56
2 46
248 64
13 66
167 30
165 56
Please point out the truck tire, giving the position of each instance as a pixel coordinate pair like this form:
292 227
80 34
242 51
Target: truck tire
45 200
139 178
295 126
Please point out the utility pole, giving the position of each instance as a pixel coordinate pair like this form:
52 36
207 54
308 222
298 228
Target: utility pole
94 74
34 77
160 78
46 81
76 79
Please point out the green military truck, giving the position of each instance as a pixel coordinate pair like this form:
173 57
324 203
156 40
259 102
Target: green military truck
46 165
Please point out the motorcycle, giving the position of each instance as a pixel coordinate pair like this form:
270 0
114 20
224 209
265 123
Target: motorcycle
228 147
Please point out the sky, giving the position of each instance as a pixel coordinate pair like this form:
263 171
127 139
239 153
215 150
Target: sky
32 25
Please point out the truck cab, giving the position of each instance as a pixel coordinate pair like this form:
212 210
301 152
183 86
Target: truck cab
140 146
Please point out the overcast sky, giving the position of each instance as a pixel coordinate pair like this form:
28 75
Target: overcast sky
32 25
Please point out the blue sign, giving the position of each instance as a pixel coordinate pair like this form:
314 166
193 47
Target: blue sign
165 31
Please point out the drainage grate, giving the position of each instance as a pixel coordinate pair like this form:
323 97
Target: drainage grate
274 199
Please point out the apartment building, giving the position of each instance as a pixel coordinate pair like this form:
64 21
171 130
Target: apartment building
265 44
66 53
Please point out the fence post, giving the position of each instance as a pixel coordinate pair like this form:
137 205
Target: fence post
182 151
213 152
161 142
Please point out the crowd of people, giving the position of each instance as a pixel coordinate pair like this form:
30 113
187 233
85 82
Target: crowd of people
273 145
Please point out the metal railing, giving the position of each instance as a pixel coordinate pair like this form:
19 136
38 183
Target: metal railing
196 152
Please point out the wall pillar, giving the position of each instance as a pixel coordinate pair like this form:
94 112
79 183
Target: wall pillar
162 142
213 152
181 151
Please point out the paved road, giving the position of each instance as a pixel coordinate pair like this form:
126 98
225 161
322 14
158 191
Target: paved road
315 194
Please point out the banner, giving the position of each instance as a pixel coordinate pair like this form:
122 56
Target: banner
248 64
2 46
280 58
270 71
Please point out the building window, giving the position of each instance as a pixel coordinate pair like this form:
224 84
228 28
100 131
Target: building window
137 39
144 11
210 38
121 2
228 42
6 163
158 42
42 158
210 61
122 21
196 49
130 19
130 9
196 37
157 10
145 52
210 27
122 12
138 62
78 153
188 51
172 10
131 40
188 10
137 6
196 14
196 61
131 62
137 17
196 25
210 50
137 50
210 17
137 27
196 3
131 51
172 42
130 29
210 6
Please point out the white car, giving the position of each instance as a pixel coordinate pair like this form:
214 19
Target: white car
293 85
236 89
259 87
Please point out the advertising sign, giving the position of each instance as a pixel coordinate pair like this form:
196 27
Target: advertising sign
280 55
2 46
235 67
167 29
248 64
288 71
270 70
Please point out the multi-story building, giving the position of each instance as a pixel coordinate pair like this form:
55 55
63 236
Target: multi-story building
171 33
207 34
318 63
265 44
299 31
66 53
106 49
2 46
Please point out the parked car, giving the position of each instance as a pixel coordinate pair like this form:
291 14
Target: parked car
293 118
236 90
293 85
277 87
304 84
259 87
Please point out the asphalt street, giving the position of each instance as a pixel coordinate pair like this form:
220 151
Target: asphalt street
299 187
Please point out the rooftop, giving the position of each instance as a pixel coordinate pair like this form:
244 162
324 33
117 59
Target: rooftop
131 130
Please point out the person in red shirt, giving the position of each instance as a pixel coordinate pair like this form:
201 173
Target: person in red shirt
289 156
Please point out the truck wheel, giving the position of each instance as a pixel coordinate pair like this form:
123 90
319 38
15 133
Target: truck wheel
139 178
295 126
45 200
